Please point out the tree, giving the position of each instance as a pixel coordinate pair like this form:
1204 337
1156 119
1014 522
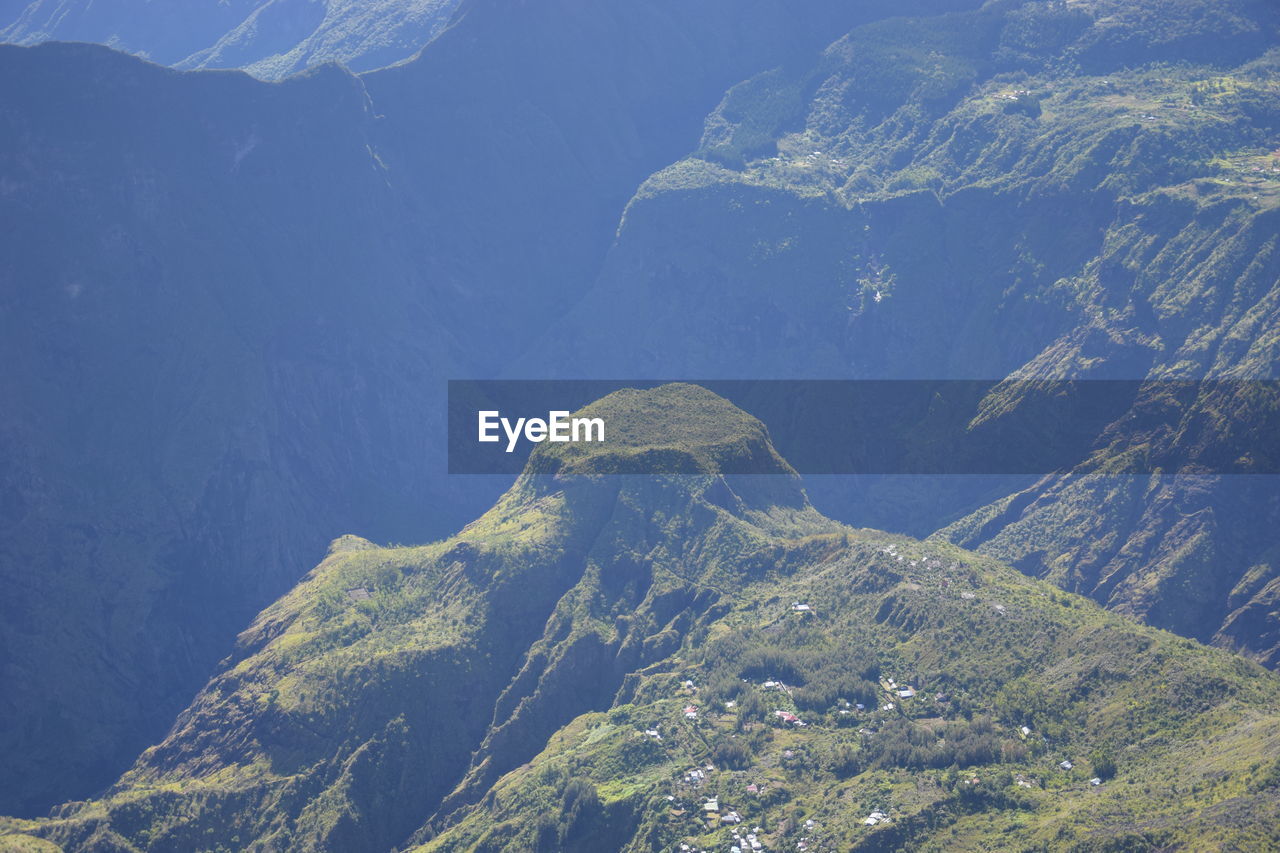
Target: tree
844 762
1104 763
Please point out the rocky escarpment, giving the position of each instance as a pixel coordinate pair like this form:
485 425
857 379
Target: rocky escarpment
1012 199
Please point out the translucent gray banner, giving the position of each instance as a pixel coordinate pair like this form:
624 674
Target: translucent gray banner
910 426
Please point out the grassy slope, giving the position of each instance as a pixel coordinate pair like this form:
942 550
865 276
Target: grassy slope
563 622
1190 729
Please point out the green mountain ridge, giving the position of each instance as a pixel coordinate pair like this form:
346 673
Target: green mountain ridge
523 685
229 304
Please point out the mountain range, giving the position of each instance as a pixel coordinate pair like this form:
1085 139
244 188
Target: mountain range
229 307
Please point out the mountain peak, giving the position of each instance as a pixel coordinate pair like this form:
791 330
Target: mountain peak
677 428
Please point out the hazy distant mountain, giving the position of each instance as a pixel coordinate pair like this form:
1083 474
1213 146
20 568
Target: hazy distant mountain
268 38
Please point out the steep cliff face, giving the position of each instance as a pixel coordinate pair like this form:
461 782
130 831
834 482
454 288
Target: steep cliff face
1183 552
195 399
935 198
521 134
1007 192
545 677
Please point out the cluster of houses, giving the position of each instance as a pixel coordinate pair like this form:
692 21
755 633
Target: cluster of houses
712 811
690 711
893 688
1067 765
717 815
697 775
1017 95
923 561
803 842
809 159
892 551
743 843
